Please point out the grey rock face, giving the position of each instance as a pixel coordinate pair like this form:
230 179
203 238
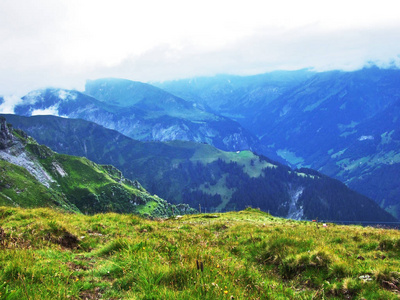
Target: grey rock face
6 137
13 151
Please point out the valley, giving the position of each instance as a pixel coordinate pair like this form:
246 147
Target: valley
343 124
200 174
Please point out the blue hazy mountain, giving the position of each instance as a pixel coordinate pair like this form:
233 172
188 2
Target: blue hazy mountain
343 124
237 97
140 111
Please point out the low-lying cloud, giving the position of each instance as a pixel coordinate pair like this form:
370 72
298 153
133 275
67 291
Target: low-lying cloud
9 103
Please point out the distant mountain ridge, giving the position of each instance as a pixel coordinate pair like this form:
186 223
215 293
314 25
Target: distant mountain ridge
237 97
339 123
186 172
128 93
140 111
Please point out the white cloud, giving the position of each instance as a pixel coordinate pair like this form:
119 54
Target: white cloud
66 95
62 43
7 107
265 51
52 110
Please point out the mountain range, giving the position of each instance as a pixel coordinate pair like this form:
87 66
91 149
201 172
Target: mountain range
140 111
240 98
200 174
342 124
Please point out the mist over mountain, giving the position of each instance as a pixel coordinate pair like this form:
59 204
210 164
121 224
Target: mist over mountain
237 97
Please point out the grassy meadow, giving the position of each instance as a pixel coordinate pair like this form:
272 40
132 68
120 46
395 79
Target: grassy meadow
45 254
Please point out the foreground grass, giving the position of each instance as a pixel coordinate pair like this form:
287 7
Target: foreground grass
239 255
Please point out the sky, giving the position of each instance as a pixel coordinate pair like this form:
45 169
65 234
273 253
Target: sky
62 43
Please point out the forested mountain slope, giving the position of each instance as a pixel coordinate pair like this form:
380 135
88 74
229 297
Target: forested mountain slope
186 172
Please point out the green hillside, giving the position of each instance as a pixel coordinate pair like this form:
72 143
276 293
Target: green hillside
98 188
19 188
32 175
238 255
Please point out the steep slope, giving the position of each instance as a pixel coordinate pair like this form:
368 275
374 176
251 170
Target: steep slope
127 93
340 123
171 117
328 104
186 172
370 162
19 188
32 175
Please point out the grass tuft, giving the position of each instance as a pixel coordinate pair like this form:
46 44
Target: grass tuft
237 255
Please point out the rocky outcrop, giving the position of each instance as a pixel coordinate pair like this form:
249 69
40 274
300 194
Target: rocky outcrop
296 211
13 150
6 137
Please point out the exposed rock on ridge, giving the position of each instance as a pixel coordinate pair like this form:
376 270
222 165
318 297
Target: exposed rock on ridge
6 137
13 151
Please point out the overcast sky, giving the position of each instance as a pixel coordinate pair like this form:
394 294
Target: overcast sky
63 43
